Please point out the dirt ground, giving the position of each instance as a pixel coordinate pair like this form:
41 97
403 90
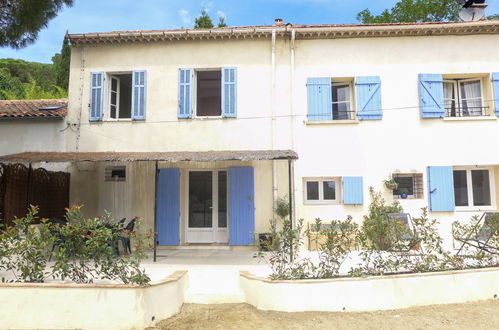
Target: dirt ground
480 315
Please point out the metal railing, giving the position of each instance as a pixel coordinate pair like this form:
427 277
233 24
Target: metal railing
466 111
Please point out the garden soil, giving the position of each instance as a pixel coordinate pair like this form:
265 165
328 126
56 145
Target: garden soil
479 315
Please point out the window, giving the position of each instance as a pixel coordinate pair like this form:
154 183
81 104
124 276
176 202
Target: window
120 96
463 98
410 185
209 93
472 187
115 173
321 190
342 101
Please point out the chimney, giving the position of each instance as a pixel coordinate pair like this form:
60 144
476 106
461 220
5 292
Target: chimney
278 21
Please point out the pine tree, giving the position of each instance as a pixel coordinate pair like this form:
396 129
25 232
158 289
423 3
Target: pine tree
61 64
21 20
221 22
203 21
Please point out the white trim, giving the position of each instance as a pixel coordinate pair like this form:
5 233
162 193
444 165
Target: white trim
321 200
194 91
470 206
108 91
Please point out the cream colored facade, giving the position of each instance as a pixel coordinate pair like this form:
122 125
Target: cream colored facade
272 73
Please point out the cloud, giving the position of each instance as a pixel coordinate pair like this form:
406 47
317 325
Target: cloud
185 17
221 14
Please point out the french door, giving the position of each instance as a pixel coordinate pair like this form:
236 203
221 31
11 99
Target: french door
207 207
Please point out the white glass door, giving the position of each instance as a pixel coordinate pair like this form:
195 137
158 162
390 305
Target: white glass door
207 207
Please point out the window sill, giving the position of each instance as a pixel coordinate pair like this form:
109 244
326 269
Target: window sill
475 209
321 203
478 118
330 122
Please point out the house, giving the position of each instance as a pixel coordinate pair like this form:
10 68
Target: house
199 131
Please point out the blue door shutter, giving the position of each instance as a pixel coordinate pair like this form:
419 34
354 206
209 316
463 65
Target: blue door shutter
431 95
241 206
353 191
320 106
368 90
96 96
185 93
441 188
168 206
139 83
495 83
229 92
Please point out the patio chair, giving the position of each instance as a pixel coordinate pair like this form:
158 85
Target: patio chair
409 234
59 241
481 234
125 241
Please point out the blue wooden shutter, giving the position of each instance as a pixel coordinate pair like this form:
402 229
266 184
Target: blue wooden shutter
229 92
241 206
431 95
368 91
441 188
168 206
495 84
353 191
139 82
320 106
185 93
96 96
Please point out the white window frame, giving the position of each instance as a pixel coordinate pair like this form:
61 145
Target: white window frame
195 93
321 199
459 100
107 110
352 112
469 184
413 176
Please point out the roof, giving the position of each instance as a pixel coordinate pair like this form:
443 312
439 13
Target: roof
48 109
175 156
324 31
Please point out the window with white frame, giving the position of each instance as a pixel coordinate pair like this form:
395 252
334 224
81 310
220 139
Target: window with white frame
473 187
342 100
321 190
120 96
464 97
409 185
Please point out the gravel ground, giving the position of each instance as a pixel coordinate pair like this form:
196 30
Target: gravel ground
479 315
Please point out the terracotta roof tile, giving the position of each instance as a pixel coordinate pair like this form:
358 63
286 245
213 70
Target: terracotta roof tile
53 108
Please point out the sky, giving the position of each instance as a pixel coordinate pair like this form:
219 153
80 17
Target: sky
111 15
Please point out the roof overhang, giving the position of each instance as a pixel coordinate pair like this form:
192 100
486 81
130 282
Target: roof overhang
176 156
336 31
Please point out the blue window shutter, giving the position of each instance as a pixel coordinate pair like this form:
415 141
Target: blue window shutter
320 106
96 96
241 206
368 91
495 84
185 93
229 92
353 190
441 188
431 95
139 83
168 206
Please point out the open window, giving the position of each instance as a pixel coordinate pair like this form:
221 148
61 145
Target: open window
115 173
464 98
342 105
120 96
209 93
409 185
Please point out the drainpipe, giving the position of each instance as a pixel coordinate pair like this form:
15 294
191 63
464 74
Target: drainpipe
292 193
273 123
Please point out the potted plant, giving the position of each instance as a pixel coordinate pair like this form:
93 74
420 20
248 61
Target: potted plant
391 184
403 192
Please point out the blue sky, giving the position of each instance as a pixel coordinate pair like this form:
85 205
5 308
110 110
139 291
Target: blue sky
110 15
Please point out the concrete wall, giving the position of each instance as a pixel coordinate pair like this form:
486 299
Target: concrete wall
89 306
372 293
401 142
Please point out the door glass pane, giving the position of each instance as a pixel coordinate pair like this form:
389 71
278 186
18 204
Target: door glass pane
313 191
222 199
329 190
200 199
460 188
481 187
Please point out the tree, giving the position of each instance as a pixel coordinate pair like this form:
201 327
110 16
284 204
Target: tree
221 22
493 17
203 21
61 64
414 11
21 20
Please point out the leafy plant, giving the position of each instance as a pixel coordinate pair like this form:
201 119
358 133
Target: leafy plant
390 183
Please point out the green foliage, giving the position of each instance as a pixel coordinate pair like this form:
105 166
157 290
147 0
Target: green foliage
203 21
282 207
11 88
378 231
221 22
61 64
21 20
493 17
414 11
86 250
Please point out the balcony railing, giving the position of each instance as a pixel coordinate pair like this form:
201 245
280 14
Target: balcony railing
466 111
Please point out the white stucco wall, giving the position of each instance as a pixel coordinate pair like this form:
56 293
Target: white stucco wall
401 142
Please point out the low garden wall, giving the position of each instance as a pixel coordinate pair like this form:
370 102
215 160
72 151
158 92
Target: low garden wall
371 293
90 306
